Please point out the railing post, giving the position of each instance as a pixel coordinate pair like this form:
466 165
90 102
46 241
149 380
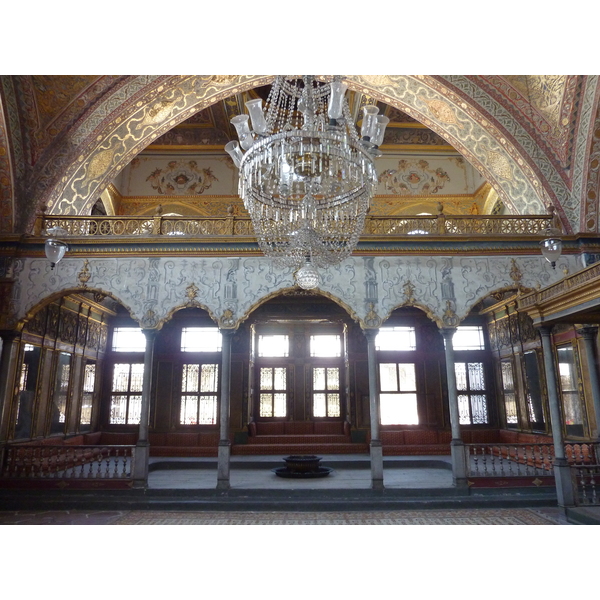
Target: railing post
142 448
375 446
441 219
562 472
230 220
224 452
457 447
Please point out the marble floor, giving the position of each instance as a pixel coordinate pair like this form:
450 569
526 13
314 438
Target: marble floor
500 516
256 472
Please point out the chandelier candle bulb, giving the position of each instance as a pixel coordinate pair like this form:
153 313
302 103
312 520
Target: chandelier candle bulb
369 115
243 130
233 149
259 123
336 100
379 130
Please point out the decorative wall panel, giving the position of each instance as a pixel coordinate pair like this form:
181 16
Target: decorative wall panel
369 289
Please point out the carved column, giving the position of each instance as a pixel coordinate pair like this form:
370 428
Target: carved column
223 470
142 448
457 447
376 449
8 371
562 471
589 336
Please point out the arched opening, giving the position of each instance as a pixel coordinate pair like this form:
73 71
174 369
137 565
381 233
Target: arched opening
61 352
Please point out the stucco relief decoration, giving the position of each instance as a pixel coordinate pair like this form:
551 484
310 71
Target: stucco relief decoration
413 178
84 275
181 178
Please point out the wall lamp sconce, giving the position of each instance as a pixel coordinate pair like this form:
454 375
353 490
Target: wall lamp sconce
55 249
552 246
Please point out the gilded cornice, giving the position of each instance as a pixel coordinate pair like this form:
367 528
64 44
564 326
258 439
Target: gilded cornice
575 292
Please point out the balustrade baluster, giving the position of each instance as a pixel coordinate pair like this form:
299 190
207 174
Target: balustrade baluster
594 499
583 490
493 455
475 460
116 459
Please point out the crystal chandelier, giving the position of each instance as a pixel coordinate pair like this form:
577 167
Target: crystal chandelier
306 177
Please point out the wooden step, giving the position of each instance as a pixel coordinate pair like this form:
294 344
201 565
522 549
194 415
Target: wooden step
287 449
299 439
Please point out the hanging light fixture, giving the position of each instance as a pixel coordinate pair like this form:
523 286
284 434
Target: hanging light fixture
551 246
306 176
55 249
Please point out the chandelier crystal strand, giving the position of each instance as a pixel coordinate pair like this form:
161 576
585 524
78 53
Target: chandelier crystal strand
306 176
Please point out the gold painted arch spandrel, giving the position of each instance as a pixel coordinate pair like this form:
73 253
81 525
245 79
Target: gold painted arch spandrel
461 127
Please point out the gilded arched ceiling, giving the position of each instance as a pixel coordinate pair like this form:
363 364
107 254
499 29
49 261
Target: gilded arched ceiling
528 135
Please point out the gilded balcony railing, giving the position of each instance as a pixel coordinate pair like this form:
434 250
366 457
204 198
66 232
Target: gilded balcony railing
234 225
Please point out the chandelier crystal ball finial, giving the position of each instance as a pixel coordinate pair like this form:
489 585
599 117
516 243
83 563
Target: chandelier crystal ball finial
306 177
307 277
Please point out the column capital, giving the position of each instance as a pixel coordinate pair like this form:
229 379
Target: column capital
229 331
588 332
150 333
447 332
8 335
371 333
544 330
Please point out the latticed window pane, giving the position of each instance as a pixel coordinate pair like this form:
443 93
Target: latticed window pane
507 376
388 377
128 339
208 410
118 410
89 377
510 408
121 378
407 376
318 378
280 409
89 381
508 387
479 413
333 378
326 345
137 377
399 409
273 345
280 378
266 405
189 410
189 382
266 378
464 416
319 405
333 405
476 381
396 339
468 338
135 410
201 339
461 376
209 378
